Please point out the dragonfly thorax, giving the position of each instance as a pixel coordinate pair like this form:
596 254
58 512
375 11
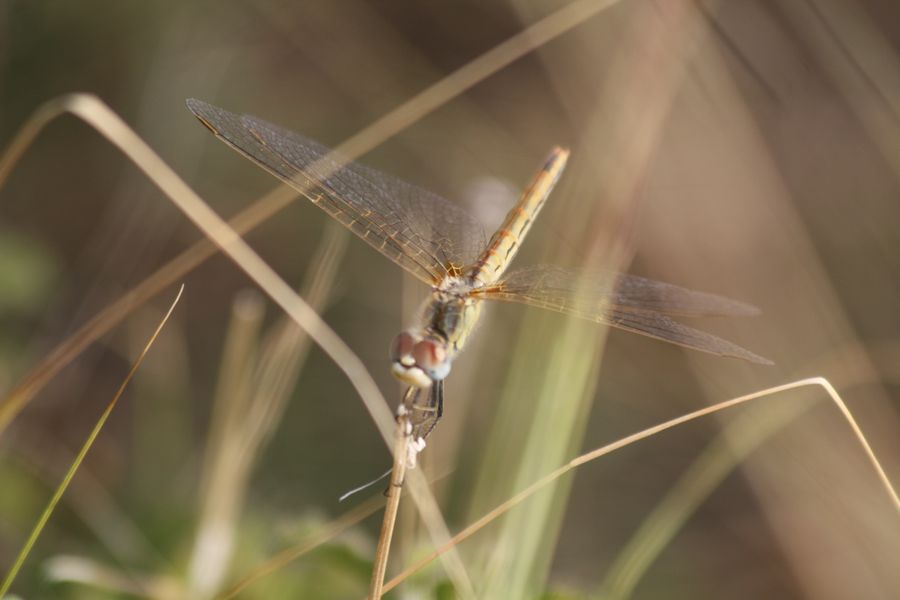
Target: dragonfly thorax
423 355
456 286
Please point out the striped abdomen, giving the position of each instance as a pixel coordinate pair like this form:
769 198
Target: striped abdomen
506 240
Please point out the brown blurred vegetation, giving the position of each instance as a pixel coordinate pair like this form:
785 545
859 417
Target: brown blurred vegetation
750 149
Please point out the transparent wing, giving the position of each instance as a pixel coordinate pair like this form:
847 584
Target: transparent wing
422 232
628 302
582 291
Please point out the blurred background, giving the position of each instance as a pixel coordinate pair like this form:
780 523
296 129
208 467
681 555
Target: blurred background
750 149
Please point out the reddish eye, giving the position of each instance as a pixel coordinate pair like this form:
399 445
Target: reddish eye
402 346
429 354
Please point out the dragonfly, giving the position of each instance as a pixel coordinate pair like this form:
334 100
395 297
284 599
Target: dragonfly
445 247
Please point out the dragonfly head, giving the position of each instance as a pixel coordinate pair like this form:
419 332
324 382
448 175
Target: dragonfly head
419 360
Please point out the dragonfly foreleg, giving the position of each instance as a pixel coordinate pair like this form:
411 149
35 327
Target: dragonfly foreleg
433 410
421 414
414 411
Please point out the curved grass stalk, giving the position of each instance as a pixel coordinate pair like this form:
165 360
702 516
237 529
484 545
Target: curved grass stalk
646 433
107 123
717 461
406 114
79 459
92 111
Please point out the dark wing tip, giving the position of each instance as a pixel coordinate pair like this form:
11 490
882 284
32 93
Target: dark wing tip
206 113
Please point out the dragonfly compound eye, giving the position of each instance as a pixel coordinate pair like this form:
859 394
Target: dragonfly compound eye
431 356
402 348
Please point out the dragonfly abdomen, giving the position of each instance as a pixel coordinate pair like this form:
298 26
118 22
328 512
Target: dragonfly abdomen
506 240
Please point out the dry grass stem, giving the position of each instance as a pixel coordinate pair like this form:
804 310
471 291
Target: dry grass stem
402 441
98 115
548 479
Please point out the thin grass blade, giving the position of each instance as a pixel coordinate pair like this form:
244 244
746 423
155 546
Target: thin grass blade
57 495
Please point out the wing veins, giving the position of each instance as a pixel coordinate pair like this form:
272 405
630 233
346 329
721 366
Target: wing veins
557 289
409 225
349 215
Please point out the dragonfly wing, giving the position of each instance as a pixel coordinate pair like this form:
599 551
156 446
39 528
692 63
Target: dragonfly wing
422 232
628 302
581 291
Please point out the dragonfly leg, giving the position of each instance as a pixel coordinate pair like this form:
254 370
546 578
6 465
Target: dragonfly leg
422 417
418 414
436 407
